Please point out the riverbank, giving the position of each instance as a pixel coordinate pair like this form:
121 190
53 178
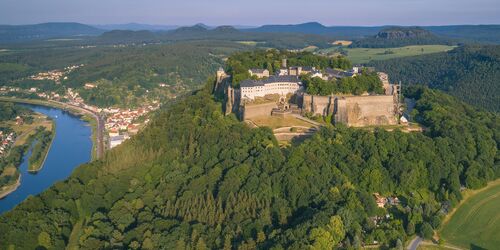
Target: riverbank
6 190
34 167
86 115
70 148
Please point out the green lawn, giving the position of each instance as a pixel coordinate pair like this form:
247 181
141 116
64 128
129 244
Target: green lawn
364 55
476 222
278 122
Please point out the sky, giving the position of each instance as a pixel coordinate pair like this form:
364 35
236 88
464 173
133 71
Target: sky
254 12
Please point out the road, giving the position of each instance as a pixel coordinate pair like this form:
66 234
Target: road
414 243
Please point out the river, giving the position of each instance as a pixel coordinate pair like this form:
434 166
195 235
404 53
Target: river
71 147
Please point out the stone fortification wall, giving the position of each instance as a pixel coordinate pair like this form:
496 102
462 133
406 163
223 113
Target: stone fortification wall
320 105
358 111
253 110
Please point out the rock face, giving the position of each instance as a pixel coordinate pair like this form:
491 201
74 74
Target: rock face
404 33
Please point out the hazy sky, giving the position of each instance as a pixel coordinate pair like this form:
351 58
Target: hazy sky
254 12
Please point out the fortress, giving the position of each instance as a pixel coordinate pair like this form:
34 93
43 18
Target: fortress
284 94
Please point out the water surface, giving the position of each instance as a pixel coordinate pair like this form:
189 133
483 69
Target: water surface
71 147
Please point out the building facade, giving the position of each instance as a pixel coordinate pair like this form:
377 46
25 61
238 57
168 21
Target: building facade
281 85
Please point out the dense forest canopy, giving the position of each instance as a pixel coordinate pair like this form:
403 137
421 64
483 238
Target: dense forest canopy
9 111
239 63
357 85
124 76
470 73
195 178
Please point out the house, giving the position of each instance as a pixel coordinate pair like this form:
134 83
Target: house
316 73
307 70
260 73
19 120
281 85
295 71
89 86
380 200
403 120
339 74
393 200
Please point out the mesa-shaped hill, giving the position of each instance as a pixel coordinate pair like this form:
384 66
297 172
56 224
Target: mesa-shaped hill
399 37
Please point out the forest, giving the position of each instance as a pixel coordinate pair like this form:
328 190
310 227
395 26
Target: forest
9 111
125 76
196 179
42 140
470 73
239 63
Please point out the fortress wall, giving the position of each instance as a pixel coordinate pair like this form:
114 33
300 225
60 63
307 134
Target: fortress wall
254 110
341 111
321 105
370 110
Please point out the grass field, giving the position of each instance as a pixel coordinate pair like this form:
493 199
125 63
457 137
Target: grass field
364 55
476 223
24 131
278 122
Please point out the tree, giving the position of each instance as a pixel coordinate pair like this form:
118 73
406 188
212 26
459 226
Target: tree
330 236
426 231
44 240
410 228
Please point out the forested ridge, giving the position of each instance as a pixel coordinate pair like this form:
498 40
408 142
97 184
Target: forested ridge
470 73
125 76
196 179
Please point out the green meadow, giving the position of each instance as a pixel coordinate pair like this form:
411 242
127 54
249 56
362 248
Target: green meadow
476 223
364 55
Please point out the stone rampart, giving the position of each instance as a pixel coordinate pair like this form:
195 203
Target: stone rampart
253 110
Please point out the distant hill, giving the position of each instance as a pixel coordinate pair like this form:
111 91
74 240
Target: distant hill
478 33
399 37
346 32
226 28
136 27
191 29
470 73
128 36
470 33
22 33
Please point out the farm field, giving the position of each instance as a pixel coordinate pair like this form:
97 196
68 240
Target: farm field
476 223
364 55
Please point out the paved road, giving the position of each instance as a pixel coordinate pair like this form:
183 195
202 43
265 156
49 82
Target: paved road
414 243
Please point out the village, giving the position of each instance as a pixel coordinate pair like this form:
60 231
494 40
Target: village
55 75
7 140
119 123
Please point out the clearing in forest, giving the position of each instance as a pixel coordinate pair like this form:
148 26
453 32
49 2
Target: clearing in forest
476 222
